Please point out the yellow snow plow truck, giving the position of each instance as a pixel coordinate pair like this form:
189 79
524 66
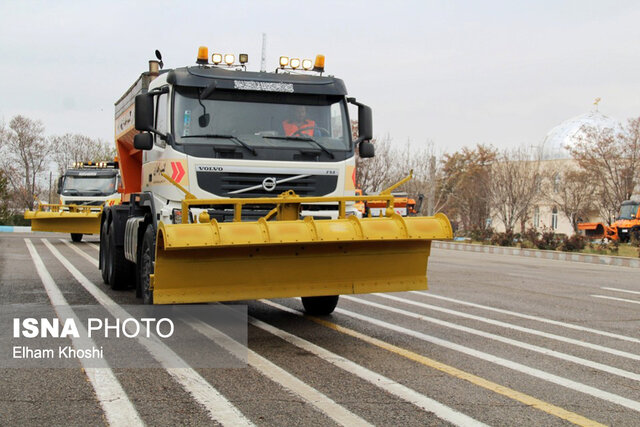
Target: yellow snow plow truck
84 189
241 185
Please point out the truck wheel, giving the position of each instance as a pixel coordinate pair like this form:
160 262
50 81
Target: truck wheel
104 255
320 305
76 237
119 268
147 258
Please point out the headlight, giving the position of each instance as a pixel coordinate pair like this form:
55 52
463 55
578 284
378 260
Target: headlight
177 216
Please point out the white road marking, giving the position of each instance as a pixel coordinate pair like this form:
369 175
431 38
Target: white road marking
585 344
93 245
442 411
82 253
621 290
530 347
218 407
312 396
537 373
616 299
536 318
117 407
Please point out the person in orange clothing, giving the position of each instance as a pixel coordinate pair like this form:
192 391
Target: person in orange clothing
299 125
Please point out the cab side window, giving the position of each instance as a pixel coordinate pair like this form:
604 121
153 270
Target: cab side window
161 117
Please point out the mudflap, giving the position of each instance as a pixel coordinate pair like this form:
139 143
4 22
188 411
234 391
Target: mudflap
277 259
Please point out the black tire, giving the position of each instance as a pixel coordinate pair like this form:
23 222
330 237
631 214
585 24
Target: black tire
76 237
104 253
147 258
120 270
320 305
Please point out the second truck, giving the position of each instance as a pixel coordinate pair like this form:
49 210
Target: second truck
241 185
84 188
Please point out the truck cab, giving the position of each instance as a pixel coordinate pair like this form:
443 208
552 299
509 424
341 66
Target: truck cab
89 184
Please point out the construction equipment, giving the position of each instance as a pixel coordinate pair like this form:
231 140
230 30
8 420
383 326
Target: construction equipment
627 224
223 202
84 189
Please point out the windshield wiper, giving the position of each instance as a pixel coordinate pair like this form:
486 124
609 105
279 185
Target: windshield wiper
302 138
221 136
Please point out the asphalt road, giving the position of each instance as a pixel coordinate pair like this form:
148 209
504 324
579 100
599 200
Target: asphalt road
497 340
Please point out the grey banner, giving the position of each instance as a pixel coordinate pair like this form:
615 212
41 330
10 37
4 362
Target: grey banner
136 336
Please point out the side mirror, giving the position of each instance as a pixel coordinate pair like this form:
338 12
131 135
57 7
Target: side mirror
366 149
365 123
143 141
60 183
144 112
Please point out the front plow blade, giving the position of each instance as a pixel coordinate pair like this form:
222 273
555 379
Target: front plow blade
65 222
278 259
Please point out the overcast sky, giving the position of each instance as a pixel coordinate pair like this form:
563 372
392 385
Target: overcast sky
456 73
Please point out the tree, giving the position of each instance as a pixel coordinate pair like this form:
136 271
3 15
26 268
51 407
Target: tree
572 192
4 199
393 162
24 156
70 148
373 174
514 185
610 160
464 185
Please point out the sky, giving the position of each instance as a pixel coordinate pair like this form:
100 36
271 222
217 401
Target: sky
454 73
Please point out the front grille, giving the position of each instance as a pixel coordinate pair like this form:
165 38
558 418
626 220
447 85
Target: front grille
84 202
224 184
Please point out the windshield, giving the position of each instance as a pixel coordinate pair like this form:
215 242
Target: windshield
628 211
263 122
89 185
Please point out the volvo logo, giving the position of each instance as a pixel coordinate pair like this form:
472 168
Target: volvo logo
269 183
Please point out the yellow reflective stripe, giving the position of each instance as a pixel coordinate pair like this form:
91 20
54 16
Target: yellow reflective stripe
474 379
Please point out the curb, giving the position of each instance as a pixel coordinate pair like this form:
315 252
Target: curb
538 253
14 229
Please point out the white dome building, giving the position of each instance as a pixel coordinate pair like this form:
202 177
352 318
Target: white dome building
567 133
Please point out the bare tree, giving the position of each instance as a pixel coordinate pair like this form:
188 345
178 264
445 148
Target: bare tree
464 186
24 157
514 185
427 169
393 162
69 148
572 191
374 173
611 160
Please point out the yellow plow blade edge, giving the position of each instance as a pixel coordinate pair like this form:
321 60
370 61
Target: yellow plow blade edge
65 222
206 262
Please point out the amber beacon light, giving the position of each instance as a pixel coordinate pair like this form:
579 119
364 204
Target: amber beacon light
203 55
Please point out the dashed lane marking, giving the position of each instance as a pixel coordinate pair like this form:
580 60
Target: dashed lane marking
312 396
547 352
537 373
387 384
530 317
622 290
616 299
474 379
218 407
117 407
515 327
